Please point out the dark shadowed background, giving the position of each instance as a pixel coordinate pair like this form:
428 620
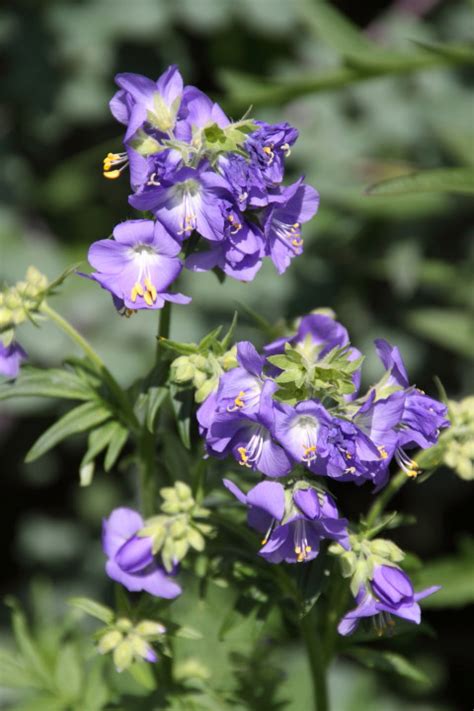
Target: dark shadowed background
395 268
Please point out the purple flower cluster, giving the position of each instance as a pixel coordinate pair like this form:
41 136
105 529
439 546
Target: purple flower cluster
196 172
355 442
352 439
11 358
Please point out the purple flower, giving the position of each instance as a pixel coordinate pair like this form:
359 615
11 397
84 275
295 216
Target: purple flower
282 221
238 255
240 388
302 430
269 146
138 265
247 436
294 525
198 111
422 417
141 101
390 592
322 333
245 180
130 558
187 200
11 358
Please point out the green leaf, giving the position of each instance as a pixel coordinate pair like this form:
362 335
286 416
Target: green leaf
455 575
182 402
98 441
95 609
461 52
54 382
32 656
14 673
230 333
440 180
117 443
333 28
96 692
388 662
177 347
156 397
68 673
449 328
80 419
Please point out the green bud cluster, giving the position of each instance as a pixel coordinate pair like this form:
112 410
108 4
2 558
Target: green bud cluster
20 302
176 530
202 370
359 563
457 442
129 642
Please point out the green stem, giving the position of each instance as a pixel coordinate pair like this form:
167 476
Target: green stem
378 507
163 326
313 641
147 473
95 359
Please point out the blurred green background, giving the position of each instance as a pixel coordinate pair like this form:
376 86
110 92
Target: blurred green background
393 267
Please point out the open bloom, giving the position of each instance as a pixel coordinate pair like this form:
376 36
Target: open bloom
248 436
282 220
138 265
187 200
269 145
130 558
293 521
389 592
143 101
11 358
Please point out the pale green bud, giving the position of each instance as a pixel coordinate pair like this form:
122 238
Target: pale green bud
229 359
109 641
386 550
182 369
178 528
148 628
140 647
123 624
123 655
195 539
183 491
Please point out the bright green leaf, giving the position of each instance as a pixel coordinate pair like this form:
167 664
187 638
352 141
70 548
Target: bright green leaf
440 180
90 607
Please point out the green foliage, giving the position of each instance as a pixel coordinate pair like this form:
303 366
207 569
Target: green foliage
456 574
387 661
443 180
304 375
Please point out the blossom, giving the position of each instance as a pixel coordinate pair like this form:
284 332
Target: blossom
302 430
239 254
269 146
138 265
187 200
422 418
240 389
389 592
248 437
198 111
282 221
317 335
11 358
142 101
245 180
293 521
130 558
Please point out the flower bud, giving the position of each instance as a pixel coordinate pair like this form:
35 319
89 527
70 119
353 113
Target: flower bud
109 641
123 655
148 628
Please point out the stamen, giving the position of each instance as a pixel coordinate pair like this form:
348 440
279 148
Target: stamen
114 164
409 466
136 291
383 452
269 152
309 454
243 457
238 402
286 149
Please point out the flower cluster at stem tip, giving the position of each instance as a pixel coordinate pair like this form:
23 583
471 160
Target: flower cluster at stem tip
201 176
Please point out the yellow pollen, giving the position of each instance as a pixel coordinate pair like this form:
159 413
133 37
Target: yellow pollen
238 400
348 456
267 150
383 452
136 291
243 457
413 472
309 453
297 242
147 290
151 289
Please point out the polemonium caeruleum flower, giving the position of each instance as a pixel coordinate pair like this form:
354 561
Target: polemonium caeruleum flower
139 265
248 436
389 592
11 358
422 418
130 558
269 146
187 200
282 219
293 521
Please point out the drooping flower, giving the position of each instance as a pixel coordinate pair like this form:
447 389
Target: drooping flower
282 220
293 520
422 418
240 389
187 200
389 592
138 265
302 430
11 358
269 146
130 558
248 436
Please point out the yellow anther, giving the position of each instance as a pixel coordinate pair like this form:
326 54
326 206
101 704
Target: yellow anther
383 452
150 288
267 150
148 299
297 242
413 472
309 453
243 457
308 549
238 400
111 174
348 456
136 291
298 550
